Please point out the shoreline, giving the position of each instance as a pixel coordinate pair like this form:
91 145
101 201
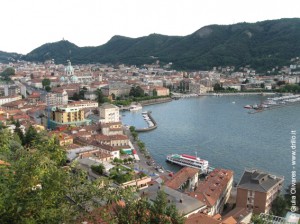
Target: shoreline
155 101
182 95
238 94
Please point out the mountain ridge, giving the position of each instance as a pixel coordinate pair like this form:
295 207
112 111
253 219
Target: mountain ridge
262 45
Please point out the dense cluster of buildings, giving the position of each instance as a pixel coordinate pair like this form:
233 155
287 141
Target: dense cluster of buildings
93 134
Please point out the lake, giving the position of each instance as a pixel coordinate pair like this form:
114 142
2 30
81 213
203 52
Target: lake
221 131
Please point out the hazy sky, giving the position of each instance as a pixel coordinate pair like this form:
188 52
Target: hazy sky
27 24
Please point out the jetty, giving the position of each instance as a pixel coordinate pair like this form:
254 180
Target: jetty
149 128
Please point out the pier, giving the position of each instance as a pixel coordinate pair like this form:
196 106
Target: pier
150 128
280 102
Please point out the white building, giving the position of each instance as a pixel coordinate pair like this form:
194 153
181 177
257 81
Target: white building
8 99
57 98
109 113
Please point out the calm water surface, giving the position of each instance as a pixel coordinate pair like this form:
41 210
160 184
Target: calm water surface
222 132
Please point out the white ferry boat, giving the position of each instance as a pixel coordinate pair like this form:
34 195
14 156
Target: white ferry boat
135 107
190 161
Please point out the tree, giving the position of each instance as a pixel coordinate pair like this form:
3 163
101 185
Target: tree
218 87
18 131
279 206
30 136
280 83
141 211
161 212
48 88
132 129
75 96
134 212
81 93
154 92
136 92
100 96
7 73
256 219
99 169
46 82
35 188
134 135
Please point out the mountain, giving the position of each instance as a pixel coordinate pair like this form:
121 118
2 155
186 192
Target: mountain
263 45
6 57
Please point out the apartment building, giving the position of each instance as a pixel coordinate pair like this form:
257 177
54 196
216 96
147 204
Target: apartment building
215 190
109 113
8 99
67 116
257 190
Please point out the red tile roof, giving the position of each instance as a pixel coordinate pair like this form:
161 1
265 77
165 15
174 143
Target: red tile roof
181 177
211 189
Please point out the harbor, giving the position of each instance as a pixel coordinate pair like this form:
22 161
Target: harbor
220 132
274 103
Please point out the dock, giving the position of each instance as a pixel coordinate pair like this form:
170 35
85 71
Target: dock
150 128
279 105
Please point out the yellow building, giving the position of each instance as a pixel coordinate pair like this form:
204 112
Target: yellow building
67 116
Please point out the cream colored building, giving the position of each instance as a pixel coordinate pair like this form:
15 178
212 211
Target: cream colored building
109 113
8 99
84 104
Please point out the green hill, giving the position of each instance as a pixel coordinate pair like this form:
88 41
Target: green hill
6 57
262 45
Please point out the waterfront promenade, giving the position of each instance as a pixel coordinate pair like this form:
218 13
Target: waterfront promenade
142 165
187 95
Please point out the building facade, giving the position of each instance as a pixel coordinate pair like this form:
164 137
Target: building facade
109 113
257 190
60 116
8 99
215 190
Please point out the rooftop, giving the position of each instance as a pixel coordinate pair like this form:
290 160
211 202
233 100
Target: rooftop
181 177
257 180
211 189
184 203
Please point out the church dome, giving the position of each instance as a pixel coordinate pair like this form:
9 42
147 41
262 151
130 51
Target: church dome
62 79
69 69
74 78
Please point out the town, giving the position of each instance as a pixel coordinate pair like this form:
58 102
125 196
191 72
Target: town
81 106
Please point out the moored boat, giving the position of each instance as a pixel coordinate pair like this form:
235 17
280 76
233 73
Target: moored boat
135 107
190 161
248 107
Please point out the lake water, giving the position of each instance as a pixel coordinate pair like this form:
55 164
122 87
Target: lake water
222 132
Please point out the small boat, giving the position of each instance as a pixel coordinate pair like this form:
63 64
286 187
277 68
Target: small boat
248 107
233 102
135 107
